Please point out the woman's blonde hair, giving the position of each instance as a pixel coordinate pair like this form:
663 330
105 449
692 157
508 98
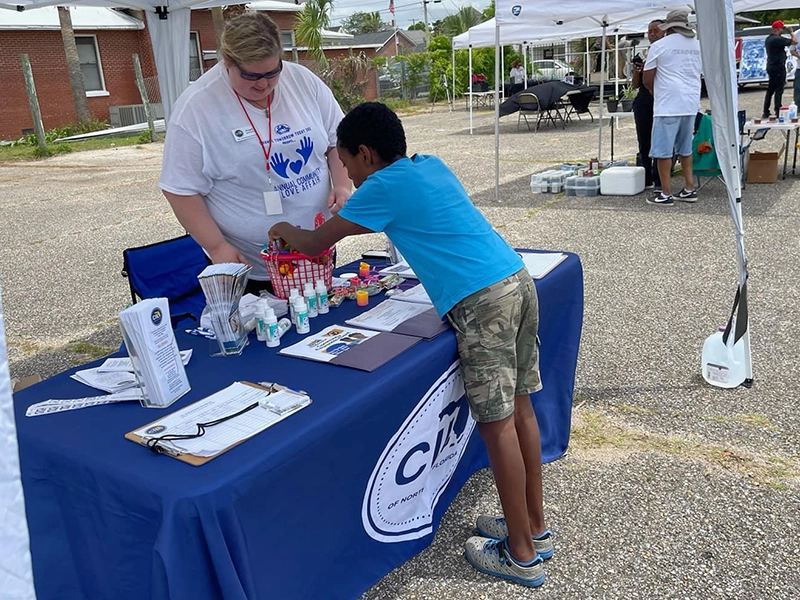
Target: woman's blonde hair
249 38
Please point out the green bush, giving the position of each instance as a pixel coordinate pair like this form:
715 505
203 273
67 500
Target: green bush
395 103
61 132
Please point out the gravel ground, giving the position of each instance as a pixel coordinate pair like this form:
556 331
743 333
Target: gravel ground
671 488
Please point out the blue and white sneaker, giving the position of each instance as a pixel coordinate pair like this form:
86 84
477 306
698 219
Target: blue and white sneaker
493 558
496 528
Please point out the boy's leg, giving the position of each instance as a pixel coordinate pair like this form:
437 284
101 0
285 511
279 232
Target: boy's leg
531 446
509 468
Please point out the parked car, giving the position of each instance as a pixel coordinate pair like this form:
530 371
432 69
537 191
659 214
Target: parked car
551 69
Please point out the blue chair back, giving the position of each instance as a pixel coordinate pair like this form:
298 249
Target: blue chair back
168 269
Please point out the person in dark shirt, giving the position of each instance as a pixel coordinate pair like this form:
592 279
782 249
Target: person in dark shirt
776 45
643 113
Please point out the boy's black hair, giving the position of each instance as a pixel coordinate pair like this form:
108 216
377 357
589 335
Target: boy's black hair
374 125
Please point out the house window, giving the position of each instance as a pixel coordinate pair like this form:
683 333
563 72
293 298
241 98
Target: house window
195 64
287 40
90 63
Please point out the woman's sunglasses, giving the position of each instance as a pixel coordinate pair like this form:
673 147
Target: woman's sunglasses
256 76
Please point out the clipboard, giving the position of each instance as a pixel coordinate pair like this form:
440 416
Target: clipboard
197 461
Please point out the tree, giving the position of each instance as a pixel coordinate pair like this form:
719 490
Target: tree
76 81
417 27
466 17
488 12
767 17
363 22
315 16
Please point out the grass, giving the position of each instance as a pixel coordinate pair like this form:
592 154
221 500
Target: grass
92 351
23 153
593 431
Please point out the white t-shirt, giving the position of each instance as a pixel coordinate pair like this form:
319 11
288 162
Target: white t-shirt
676 89
517 75
212 150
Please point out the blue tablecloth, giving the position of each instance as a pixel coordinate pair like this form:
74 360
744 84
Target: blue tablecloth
283 515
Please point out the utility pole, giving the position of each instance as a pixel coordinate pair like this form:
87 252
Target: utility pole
425 13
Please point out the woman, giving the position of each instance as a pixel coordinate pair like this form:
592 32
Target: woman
250 143
517 76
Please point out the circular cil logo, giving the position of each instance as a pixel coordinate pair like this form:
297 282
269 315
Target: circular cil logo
156 316
418 463
155 429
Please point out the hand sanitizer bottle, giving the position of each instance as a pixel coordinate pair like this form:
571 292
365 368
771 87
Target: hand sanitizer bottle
293 295
301 312
261 329
322 298
311 299
271 322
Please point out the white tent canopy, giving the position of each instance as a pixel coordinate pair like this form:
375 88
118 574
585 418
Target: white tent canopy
715 25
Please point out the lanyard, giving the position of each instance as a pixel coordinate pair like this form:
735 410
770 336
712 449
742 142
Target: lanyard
267 151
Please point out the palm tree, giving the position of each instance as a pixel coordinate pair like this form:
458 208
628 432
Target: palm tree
372 23
76 81
315 17
466 17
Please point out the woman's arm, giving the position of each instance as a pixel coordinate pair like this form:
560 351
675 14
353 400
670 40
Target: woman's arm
192 213
341 186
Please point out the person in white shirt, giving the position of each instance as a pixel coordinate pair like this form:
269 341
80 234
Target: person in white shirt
250 143
672 72
517 77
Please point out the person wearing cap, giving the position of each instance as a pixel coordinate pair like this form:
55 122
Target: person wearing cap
517 77
776 44
672 72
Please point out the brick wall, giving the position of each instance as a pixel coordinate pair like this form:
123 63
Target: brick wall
46 53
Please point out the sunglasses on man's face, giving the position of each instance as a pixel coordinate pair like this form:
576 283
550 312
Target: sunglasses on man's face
256 76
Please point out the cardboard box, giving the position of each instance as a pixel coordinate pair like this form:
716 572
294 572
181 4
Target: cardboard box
763 167
21 384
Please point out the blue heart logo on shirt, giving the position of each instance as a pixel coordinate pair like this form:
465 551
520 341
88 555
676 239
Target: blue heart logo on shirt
295 166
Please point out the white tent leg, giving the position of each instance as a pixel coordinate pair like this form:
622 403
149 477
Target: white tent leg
16 574
452 106
602 92
616 65
525 64
469 82
499 83
496 113
172 58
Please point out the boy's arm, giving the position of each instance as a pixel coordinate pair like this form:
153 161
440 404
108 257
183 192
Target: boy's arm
313 243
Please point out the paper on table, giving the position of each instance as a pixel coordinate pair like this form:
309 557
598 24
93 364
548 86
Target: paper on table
387 315
540 264
108 382
414 294
402 268
53 406
124 364
228 401
329 343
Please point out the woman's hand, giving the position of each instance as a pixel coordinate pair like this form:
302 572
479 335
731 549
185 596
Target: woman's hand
338 197
226 253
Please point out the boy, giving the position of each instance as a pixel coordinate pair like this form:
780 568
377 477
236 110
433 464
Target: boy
475 278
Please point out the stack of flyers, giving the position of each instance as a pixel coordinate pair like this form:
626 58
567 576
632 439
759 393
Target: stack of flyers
154 354
53 406
223 285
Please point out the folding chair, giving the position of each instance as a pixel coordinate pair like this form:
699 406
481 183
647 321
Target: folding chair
704 156
168 269
528 105
579 101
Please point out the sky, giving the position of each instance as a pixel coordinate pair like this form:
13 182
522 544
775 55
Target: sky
406 11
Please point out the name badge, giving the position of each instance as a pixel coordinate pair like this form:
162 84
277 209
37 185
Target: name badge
273 203
243 133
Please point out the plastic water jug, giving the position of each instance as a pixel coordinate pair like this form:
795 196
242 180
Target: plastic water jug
792 111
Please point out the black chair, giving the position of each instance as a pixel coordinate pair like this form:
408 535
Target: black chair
168 269
579 101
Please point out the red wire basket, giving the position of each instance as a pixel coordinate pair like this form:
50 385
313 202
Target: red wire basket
288 270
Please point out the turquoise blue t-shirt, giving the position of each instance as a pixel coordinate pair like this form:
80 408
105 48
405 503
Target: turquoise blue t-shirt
423 208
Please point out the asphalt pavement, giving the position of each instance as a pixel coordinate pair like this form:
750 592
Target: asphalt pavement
670 489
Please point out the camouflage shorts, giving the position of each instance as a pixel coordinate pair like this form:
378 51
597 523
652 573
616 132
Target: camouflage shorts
496 332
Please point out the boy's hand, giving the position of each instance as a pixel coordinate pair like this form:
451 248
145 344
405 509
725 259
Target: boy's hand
276 231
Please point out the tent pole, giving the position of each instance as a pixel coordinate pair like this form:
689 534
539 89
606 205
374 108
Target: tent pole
469 83
454 76
602 91
587 70
525 63
500 83
616 65
497 82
